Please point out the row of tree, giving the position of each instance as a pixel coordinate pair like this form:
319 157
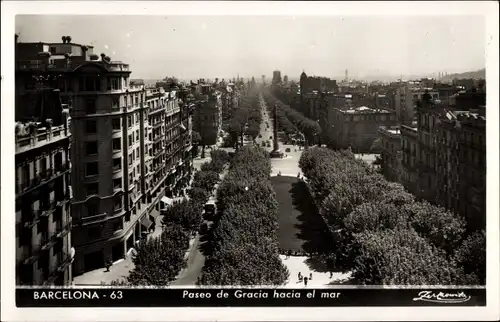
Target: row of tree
243 245
245 119
382 233
292 121
158 260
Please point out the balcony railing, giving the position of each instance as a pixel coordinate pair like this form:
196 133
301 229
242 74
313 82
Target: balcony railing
43 177
62 232
41 137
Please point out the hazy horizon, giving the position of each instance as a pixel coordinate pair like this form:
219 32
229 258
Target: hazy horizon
192 47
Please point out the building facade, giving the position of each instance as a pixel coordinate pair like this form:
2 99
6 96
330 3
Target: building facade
391 155
409 143
44 254
444 160
207 117
357 128
128 147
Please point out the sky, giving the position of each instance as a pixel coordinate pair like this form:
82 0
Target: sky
191 47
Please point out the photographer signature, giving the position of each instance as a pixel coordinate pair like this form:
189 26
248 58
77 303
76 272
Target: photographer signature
442 297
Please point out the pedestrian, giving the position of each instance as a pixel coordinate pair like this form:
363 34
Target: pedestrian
305 281
300 277
310 276
108 265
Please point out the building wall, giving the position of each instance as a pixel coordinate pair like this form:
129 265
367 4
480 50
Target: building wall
43 218
449 151
208 118
409 144
391 155
358 130
107 205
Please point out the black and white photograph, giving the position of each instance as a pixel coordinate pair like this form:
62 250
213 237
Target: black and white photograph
175 156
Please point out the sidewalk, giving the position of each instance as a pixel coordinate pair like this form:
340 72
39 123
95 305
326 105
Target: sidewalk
298 264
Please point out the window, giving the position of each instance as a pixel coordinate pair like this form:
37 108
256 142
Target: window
91 169
117 204
91 126
117 183
116 124
92 188
130 140
118 225
92 83
137 118
92 209
115 102
91 148
52 50
129 121
94 232
113 83
117 144
90 106
137 135
137 153
117 164
130 160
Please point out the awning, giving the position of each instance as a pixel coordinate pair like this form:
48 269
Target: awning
167 200
154 214
146 223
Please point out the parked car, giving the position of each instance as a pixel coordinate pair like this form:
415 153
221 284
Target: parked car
263 144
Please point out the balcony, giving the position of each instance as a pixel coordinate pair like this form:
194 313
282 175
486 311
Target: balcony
65 262
62 232
46 242
41 137
43 177
47 208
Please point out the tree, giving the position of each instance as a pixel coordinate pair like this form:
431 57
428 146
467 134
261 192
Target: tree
441 227
185 213
205 180
243 246
471 255
402 257
198 196
158 260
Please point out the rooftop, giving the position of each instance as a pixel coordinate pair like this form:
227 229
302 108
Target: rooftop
365 110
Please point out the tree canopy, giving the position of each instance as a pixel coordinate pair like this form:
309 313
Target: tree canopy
364 211
244 247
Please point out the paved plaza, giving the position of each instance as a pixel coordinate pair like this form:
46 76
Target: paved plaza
302 264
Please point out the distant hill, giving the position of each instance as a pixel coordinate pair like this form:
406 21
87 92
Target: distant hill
481 73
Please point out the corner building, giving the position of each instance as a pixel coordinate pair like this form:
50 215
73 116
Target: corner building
109 129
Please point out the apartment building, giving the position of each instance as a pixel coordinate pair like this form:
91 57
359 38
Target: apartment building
406 97
115 151
230 97
409 142
44 254
169 161
207 117
391 155
461 165
357 127
444 159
